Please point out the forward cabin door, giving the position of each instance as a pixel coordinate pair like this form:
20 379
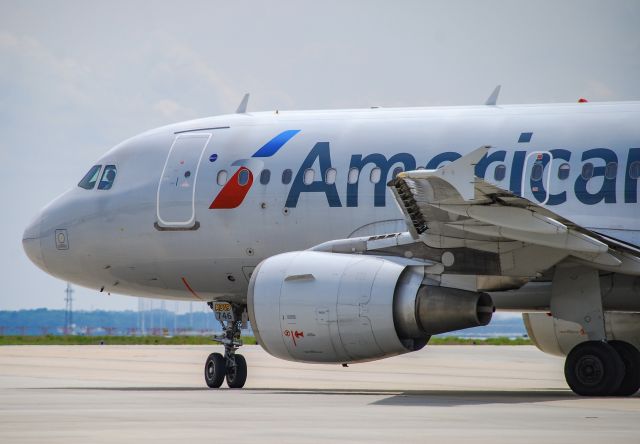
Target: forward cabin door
177 186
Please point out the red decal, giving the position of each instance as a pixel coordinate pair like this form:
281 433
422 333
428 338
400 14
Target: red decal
234 192
294 335
186 284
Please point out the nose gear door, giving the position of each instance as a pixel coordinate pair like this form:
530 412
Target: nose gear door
177 186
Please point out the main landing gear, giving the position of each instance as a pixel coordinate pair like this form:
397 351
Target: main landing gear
598 368
231 366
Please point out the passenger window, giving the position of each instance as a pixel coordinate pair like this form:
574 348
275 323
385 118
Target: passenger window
353 175
330 176
243 177
587 171
536 172
563 171
222 177
286 177
265 176
396 171
611 170
108 177
89 180
500 173
375 175
634 169
309 175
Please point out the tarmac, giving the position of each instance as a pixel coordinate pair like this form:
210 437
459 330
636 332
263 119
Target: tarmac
441 394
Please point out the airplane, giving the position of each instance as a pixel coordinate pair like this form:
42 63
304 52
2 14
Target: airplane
346 236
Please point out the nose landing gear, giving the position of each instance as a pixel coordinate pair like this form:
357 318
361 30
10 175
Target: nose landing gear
232 366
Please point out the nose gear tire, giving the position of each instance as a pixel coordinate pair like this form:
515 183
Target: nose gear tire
214 370
237 374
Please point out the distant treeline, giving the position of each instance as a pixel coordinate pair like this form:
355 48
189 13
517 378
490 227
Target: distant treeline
99 322
160 322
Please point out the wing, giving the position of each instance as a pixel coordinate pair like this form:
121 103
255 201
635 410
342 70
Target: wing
469 226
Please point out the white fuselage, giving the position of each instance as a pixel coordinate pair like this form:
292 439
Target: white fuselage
151 235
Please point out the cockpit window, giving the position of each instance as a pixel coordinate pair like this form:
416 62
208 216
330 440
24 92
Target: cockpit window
108 177
89 180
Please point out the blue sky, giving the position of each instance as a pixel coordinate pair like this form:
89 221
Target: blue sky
77 77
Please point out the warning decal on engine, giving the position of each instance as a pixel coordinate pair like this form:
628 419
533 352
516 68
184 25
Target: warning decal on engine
294 335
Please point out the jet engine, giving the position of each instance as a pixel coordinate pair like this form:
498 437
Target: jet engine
339 308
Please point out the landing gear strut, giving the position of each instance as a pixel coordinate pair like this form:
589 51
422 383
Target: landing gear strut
232 365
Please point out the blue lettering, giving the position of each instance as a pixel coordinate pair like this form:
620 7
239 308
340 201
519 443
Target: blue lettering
481 167
608 189
559 198
380 189
321 152
516 172
631 184
447 156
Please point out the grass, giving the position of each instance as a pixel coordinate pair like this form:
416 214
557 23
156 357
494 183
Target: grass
204 340
111 340
455 340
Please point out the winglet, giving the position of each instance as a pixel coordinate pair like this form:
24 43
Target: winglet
493 98
460 173
242 108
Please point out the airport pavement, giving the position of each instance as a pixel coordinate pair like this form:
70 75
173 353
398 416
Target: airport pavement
442 394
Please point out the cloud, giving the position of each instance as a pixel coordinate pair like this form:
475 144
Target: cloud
173 110
31 64
598 90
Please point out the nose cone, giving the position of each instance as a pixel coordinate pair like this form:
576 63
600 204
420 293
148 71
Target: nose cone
31 243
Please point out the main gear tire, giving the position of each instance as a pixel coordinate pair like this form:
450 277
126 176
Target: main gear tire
594 368
631 360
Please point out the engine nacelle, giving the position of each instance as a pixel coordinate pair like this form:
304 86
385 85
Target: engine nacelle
558 337
338 308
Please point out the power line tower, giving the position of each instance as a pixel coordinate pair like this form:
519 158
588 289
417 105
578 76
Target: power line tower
68 309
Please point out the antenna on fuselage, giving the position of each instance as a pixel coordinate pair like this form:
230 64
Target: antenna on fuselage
242 108
493 98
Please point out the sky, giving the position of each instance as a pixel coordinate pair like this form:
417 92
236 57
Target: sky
78 77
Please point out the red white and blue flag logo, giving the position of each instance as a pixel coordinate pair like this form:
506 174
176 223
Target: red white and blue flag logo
235 190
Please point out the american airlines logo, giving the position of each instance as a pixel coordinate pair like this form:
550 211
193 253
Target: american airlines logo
236 189
596 179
